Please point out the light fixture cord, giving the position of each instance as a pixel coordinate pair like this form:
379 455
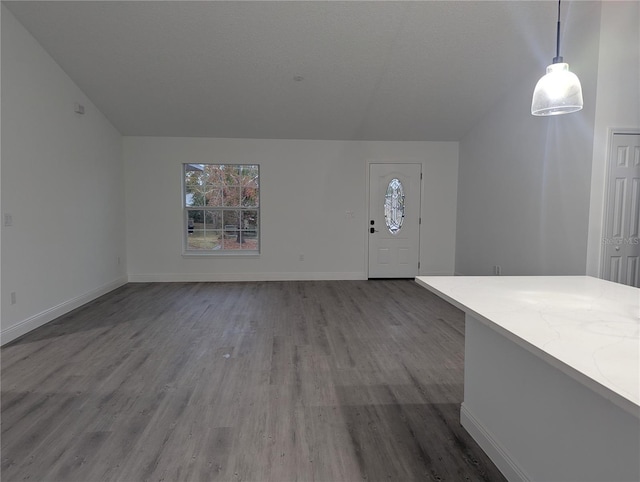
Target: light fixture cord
557 58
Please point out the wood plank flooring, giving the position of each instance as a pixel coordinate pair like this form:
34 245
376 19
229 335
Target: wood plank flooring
261 381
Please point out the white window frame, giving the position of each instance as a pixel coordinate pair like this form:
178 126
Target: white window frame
191 252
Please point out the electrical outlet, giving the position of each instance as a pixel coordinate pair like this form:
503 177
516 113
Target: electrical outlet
12 295
301 258
8 219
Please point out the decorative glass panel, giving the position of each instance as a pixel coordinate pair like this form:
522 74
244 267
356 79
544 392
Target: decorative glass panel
394 206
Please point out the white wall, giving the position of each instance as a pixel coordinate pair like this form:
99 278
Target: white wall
617 105
524 182
306 188
62 181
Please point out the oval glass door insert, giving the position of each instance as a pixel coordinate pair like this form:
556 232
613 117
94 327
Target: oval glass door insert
394 206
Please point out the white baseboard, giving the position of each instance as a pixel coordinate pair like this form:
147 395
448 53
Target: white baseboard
211 277
496 452
35 321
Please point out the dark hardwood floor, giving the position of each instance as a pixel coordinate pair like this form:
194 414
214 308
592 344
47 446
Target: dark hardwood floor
263 381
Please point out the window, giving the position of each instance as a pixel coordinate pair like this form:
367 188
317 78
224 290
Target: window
221 208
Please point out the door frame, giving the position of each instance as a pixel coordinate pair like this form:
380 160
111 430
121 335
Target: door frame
368 199
613 131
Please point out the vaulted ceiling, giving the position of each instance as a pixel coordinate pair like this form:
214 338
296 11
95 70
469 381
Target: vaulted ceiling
379 70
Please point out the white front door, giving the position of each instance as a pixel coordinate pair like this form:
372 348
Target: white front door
394 220
622 227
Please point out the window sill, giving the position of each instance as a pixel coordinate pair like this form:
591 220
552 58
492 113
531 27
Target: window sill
218 254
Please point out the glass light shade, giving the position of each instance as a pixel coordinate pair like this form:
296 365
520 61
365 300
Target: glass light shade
558 92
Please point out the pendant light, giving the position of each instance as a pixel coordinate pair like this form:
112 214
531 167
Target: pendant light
559 91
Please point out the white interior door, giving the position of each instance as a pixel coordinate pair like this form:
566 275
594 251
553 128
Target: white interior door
394 220
621 238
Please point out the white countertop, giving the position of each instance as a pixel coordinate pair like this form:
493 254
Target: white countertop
587 327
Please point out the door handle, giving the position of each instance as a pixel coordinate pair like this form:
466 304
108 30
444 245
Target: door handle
617 248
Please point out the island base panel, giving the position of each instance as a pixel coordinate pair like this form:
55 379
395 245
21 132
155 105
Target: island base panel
537 423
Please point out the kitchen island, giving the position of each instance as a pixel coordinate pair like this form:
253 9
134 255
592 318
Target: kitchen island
552 374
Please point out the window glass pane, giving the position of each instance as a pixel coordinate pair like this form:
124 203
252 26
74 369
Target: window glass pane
194 186
214 196
231 196
194 167
232 237
250 175
249 232
231 220
195 219
194 238
249 196
248 242
232 175
394 206
213 220
249 220
194 174
215 175
203 240
194 198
